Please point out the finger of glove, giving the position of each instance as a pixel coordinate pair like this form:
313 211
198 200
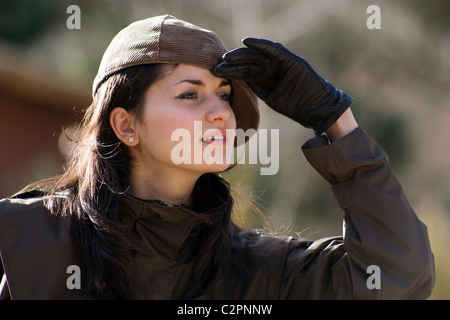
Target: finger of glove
228 71
244 55
241 71
269 48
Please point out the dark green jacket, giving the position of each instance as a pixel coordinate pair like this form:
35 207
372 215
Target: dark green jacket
381 230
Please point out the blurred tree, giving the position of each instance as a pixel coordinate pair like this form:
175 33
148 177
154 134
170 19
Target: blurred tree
21 21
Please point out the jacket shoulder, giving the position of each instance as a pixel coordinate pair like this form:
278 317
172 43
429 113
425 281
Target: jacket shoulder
27 210
35 247
26 218
21 203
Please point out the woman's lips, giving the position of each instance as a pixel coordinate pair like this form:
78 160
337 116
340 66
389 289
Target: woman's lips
214 136
217 141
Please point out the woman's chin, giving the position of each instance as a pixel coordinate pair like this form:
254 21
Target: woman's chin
212 167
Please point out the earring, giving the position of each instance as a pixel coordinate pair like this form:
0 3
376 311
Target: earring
130 139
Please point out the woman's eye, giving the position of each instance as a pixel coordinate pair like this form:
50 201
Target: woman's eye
226 97
193 95
190 95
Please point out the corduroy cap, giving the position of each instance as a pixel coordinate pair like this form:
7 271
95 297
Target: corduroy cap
166 39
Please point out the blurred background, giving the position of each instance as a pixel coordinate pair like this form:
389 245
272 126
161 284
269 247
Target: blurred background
399 76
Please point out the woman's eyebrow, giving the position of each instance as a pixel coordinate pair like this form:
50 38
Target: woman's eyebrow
200 83
191 81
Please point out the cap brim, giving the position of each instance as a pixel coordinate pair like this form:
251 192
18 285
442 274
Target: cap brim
245 108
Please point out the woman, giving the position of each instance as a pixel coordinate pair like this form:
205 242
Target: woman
141 225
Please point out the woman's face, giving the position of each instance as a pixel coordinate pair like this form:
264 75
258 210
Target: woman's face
187 122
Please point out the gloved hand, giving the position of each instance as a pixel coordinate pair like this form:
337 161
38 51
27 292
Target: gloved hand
285 82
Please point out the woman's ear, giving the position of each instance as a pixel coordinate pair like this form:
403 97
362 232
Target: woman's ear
122 123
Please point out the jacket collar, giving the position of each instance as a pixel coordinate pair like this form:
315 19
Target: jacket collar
138 209
169 226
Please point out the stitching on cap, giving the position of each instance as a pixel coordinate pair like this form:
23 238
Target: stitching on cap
159 35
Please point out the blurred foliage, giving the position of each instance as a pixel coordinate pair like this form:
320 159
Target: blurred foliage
398 75
21 21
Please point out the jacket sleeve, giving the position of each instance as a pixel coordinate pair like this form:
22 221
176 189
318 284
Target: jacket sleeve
384 252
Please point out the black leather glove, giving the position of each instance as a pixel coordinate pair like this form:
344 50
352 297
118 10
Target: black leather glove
285 82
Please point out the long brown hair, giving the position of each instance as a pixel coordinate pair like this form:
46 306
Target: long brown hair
91 186
95 177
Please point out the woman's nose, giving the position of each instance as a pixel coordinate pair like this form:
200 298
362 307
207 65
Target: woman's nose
218 109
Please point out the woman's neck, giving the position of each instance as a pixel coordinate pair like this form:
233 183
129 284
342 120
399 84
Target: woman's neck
170 186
